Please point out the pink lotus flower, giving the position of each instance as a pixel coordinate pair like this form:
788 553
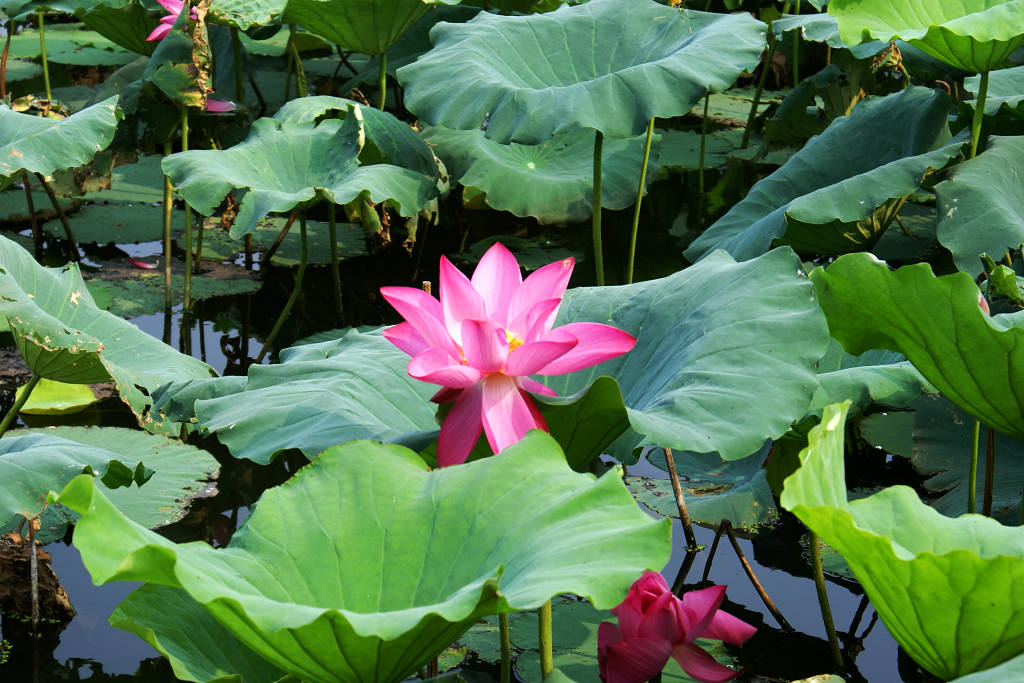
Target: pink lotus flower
483 339
173 8
654 625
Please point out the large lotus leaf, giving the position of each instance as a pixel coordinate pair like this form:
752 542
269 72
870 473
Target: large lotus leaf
284 166
57 398
609 65
822 28
197 647
838 193
949 590
368 26
981 208
388 139
35 462
974 35
42 145
319 395
63 336
246 14
399 561
552 181
1012 669
1005 88
975 360
724 357
125 22
882 377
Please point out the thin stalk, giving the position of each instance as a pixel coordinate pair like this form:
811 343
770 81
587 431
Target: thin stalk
547 660
42 56
382 81
796 49
19 403
711 553
188 224
3 59
248 252
332 229
288 69
167 234
295 292
684 515
990 471
684 571
596 218
300 75
768 602
972 469
236 52
197 264
700 167
280 237
33 570
639 200
979 113
826 609
506 648
72 245
37 234
762 79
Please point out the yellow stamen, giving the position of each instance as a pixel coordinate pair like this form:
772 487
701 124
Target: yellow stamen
514 342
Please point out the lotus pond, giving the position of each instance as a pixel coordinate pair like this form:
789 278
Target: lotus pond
375 340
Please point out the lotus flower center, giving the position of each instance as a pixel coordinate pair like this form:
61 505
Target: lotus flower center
514 342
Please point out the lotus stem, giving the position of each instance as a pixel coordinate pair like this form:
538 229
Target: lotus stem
37 234
33 571
547 659
19 403
506 648
684 515
199 246
295 292
168 208
596 210
300 76
826 609
72 245
700 167
3 59
42 55
382 81
990 471
639 200
236 52
762 79
972 469
796 49
768 602
248 252
979 113
332 228
188 223
277 240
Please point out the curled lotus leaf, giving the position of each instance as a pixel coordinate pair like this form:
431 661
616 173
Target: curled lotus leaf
365 565
608 65
947 589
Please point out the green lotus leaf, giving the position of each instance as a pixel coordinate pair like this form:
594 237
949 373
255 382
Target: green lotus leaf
356 387
1005 89
400 562
553 181
878 377
42 145
368 26
114 224
128 292
724 355
246 14
945 588
609 65
823 28
125 22
21 70
841 190
63 336
680 149
284 166
388 139
35 462
57 398
981 207
196 645
974 35
936 323
1007 671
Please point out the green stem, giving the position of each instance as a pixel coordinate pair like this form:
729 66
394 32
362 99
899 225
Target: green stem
596 206
18 404
826 610
547 660
236 51
382 81
72 244
506 649
332 227
42 56
700 167
972 470
979 113
295 292
639 199
300 76
990 471
796 49
772 42
188 221
37 234
168 208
